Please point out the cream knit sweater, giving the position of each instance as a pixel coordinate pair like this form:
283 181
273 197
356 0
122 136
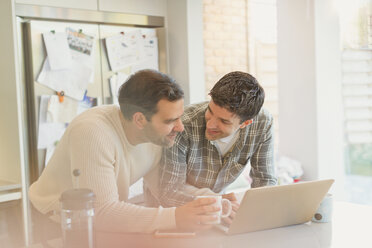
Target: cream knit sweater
96 144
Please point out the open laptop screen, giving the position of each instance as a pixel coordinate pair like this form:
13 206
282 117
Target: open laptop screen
277 206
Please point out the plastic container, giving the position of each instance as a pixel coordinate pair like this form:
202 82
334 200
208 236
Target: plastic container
77 216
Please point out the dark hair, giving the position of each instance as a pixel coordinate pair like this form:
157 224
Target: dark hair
144 89
239 93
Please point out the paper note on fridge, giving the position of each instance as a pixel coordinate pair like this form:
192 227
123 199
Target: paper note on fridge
82 48
148 56
49 133
62 112
116 81
58 50
73 81
124 50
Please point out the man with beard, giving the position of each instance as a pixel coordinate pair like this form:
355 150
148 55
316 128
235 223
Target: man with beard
114 147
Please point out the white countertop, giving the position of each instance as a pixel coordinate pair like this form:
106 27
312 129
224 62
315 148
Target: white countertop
350 227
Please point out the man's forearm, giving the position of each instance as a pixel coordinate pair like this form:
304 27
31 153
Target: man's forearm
177 196
195 191
174 197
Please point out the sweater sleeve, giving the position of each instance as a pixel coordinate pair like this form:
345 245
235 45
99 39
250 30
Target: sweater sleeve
92 150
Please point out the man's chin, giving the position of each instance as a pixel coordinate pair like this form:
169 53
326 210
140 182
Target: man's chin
167 142
170 144
210 137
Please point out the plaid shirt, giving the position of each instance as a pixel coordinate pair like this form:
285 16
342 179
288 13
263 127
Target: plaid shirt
196 161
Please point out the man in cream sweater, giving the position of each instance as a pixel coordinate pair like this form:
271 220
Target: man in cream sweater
113 147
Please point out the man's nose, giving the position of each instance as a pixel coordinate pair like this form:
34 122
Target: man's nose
179 127
211 123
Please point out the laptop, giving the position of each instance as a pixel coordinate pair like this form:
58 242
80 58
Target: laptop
277 206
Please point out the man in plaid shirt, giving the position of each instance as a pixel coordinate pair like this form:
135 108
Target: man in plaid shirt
220 138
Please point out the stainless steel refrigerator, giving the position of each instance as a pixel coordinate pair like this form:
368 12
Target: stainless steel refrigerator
33 21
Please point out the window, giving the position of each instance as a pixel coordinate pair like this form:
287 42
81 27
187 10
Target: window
356 26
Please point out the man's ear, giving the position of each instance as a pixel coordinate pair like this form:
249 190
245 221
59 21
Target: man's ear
245 123
139 120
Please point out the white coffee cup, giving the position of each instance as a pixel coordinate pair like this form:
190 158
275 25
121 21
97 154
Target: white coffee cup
324 213
220 202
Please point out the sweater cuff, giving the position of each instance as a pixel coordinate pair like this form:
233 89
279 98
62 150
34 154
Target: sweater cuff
168 218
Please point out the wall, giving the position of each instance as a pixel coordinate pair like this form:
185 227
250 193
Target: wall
195 52
296 78
185 44
12 157
330 121
310 116
10 139
241 35
225 38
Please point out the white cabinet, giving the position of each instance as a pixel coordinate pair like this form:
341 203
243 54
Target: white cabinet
140 7
80 4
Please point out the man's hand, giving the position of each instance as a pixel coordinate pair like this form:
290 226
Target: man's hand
231 197
235 206
192 215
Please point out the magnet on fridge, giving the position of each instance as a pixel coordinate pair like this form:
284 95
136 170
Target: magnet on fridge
61 96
